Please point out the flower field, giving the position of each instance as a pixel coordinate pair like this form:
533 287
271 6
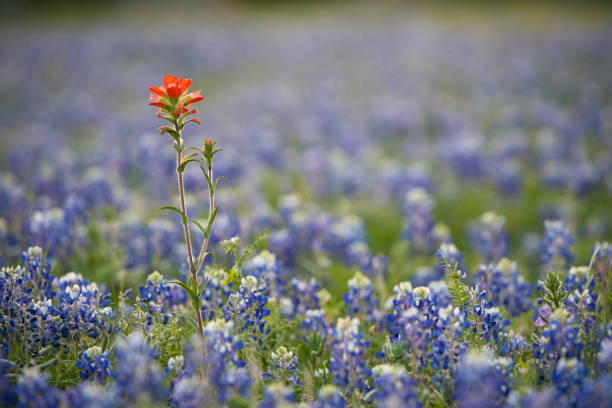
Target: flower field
358 207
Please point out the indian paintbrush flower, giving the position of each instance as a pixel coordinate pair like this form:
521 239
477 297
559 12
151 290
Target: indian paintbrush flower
174 104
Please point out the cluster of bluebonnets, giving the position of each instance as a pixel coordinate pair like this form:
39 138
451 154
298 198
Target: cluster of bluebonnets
434 226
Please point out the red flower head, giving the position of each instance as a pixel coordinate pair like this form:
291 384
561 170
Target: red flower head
173 101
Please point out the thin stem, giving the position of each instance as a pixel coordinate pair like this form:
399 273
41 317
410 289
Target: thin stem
186 232
211 206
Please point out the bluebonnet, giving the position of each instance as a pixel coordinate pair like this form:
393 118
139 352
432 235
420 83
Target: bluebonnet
394 387
277 396
95 188
557 244
189 387
38 267
302 296
346 237
212 370
329 396
34 391
16 296
426 329
175 365
190 392
8 394
50 311
161 297
265 266
314 320
283 245
439 293
94 363
285 364
138 377
568 374
464 154
12 201
347 365
486 320
84 308
516 344
360 300
221 340
505 286
593 392
508 178
310 231
90 394
489 236
604 357
419 224
246 307
53 229
559 339
482 380
227 379
577 279
215 293
533 398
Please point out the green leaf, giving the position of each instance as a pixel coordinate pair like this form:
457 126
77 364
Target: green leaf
188 159
192 292
172 133
197 224
210 222
208 180
184 286
194 121
236 401
217 182
182 214
184 164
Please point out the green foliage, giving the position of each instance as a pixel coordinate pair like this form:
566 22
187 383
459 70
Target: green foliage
232 246
168 338
554 293
459 291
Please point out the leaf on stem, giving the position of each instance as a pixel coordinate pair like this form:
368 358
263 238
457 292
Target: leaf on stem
210 223
182 214
172 133
188 159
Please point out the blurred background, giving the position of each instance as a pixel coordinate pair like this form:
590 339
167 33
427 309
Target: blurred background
325 111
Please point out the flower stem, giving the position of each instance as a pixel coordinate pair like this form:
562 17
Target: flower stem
211 206
186 232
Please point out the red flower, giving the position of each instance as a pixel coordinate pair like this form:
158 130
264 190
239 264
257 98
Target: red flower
173 87
172 97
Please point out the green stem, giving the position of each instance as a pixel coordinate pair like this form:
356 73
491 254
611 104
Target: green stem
186 232
211 207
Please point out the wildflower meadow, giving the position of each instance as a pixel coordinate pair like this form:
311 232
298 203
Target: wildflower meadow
257 206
